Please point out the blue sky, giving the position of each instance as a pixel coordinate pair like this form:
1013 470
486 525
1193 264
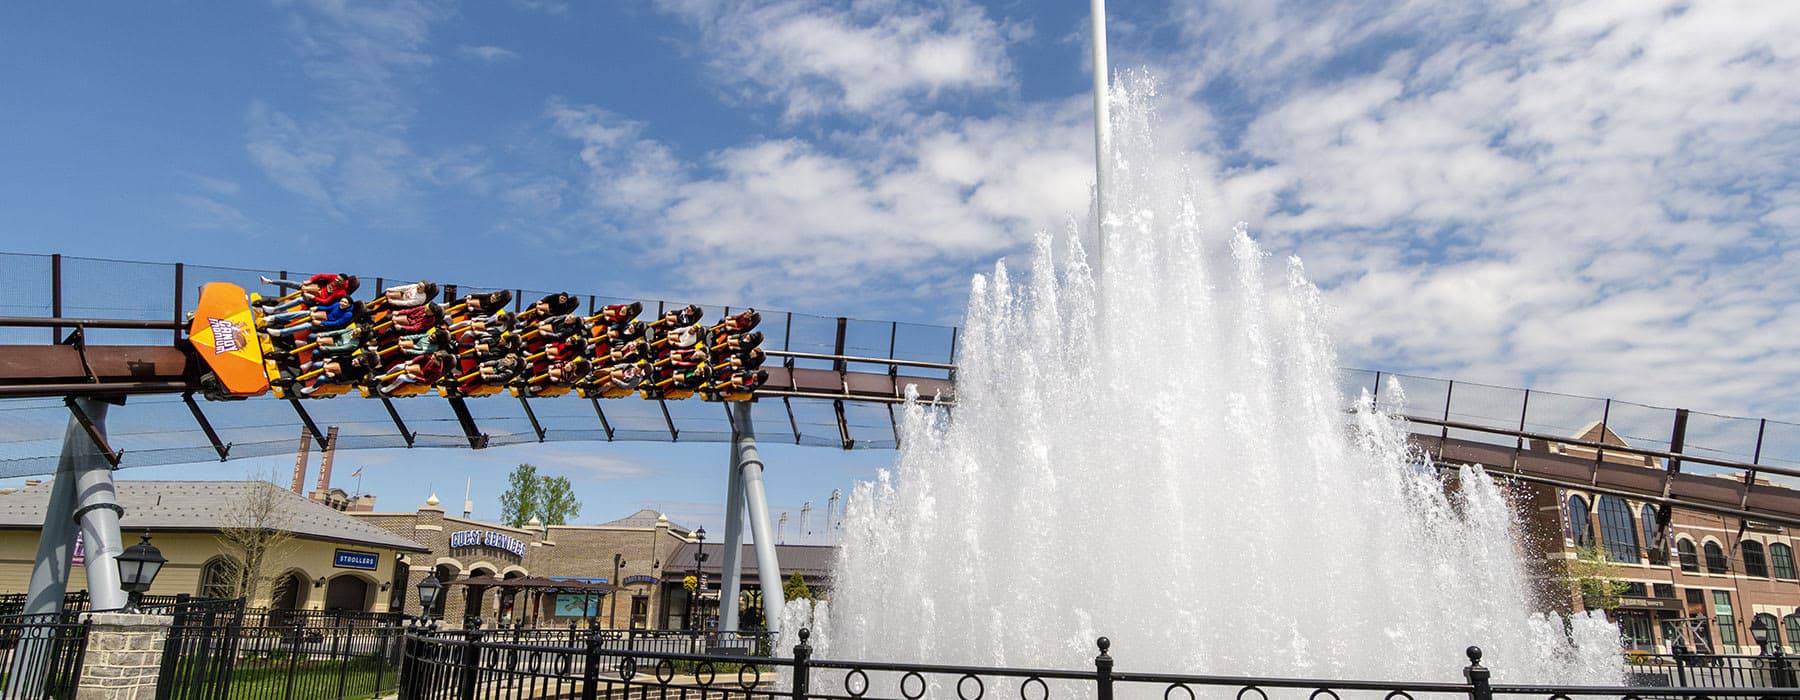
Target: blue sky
1590 197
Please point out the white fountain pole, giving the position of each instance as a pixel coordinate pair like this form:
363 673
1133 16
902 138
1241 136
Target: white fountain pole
1102 133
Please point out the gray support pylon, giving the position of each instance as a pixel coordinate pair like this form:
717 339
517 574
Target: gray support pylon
768 567
83 478
731 570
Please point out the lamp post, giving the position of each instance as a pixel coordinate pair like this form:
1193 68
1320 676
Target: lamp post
429 589
613 616
1780 674
138 566
699 583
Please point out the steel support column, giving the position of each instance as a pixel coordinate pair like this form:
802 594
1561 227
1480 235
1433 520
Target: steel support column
731 571
56 550
768 566
81 495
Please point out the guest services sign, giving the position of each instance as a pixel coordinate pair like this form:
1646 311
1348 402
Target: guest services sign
487 538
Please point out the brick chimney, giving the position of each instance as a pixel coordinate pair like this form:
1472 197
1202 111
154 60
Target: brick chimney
325 461
300 461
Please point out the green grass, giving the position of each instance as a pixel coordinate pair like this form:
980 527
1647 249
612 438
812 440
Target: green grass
312 680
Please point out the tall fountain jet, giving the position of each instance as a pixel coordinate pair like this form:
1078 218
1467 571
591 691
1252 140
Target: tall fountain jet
1176 471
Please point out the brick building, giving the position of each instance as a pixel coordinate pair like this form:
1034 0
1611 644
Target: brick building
332 562
1703 583
550 576
465 552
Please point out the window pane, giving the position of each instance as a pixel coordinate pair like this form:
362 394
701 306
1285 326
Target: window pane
1578 522
1715 559
1636 629
1617 528
1783 556
1722 611
1690 560
1792 622
1658 551
1753 558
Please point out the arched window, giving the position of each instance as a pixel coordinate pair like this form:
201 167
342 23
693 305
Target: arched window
1753 559
1782 557
1690 558
1618 530
1658 550
1792 623
1715 559
1578 522
218 578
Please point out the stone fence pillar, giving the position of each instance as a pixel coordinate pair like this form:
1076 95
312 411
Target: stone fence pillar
124 656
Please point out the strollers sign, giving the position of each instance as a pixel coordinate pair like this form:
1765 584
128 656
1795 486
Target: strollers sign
487 538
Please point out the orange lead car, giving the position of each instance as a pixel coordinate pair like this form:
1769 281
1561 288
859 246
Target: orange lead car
225 336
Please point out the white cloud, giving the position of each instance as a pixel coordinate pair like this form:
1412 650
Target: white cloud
348 152
548 7
487 54
862 57
786 220
1590 195
209 213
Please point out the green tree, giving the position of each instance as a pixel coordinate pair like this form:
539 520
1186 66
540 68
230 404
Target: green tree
795 588
556 501
1590 576
550 499
522 497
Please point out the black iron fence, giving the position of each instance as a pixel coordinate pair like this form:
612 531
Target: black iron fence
474 665
41 658
283 663
1721 671
217 649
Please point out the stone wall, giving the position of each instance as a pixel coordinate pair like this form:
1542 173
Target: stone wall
124 655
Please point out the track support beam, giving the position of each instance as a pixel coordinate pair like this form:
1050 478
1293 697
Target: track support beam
674 435
532 416
311 427
399 424
477 439
94 427
212 436
604 424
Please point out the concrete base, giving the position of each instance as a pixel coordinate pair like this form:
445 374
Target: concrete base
124 656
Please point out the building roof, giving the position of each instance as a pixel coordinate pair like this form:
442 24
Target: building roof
646 519
208 505
807 559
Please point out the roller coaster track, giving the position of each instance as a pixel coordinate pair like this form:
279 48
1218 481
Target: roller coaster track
1708 483
834 397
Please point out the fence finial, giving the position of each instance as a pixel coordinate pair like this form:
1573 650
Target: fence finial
1477 675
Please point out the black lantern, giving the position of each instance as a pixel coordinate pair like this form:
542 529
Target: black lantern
138 566
428 594
1764 634
699 576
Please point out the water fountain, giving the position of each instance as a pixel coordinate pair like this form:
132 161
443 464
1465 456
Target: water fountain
1178 473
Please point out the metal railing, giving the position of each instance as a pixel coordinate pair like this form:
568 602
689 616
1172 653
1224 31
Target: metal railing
1712 670
473 666
41 659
